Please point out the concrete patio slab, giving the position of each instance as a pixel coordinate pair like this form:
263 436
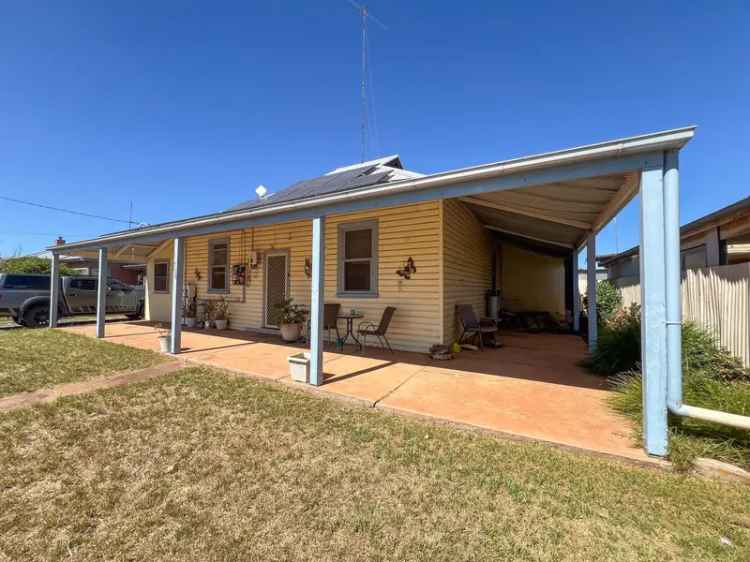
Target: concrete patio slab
531 388
571 416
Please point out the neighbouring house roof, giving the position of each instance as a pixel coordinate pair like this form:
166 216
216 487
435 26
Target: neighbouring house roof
528 181
738 209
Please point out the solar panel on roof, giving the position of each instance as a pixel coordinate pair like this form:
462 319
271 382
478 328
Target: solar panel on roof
323 185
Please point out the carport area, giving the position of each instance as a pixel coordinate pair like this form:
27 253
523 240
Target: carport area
532 388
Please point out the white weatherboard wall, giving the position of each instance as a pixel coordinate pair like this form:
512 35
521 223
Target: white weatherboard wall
717 298
406 231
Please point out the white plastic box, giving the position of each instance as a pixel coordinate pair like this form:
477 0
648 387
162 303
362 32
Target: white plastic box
299 367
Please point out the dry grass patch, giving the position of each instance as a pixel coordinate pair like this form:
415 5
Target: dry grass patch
202 465
34 359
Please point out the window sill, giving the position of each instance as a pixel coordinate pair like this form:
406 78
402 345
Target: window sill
350 295
217 291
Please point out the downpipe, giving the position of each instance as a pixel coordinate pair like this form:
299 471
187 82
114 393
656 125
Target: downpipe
674 306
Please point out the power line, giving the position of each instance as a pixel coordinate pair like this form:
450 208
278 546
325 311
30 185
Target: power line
25 233
69 211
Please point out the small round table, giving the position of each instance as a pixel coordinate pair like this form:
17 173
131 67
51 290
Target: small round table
350 318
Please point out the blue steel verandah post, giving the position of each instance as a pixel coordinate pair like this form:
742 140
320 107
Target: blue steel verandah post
54 290
591 291
576 295
653 275
178 260
101 293
317 298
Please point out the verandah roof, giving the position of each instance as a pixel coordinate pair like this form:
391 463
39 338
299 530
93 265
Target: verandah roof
558 197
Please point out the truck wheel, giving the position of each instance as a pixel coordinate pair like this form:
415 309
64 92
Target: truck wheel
36 316
138 313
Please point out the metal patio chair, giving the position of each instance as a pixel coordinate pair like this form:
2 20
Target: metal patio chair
330 319
472 326
379 331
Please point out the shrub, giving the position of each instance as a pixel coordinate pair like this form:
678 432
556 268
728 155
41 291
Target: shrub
712 378
31 264
691 438
619 349
608 300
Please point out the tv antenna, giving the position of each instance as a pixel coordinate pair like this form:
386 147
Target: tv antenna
365 15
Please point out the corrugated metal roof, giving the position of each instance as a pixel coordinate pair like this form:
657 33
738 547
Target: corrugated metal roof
305 199
336 181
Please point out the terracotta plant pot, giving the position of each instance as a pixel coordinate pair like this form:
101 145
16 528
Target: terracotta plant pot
290 332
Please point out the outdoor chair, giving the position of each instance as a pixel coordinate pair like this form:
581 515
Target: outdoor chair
473 327
379 331
330 319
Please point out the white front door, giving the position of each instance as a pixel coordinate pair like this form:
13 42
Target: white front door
277 286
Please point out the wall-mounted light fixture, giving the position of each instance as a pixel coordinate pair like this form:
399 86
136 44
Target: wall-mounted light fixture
408 269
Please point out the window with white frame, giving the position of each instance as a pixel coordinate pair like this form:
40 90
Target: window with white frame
358 259
161 276
218 265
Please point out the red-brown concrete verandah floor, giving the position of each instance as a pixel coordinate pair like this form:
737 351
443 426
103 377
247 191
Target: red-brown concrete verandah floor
530 388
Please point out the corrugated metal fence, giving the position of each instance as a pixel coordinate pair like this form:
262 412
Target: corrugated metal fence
715 297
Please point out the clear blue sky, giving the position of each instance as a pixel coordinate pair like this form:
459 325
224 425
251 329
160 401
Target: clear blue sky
185 107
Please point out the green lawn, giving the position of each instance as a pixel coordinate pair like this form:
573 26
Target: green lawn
206 466
34 359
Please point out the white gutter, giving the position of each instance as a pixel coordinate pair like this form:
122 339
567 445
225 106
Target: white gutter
675 138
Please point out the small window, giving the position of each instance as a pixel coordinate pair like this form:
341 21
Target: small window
218 266
358 259
161 277
83 284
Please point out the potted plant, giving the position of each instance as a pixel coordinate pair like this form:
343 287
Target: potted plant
209 315
291 319
164 338
221 314
190 313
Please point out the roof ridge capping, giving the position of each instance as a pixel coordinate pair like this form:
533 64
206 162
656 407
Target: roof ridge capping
393 161
649 142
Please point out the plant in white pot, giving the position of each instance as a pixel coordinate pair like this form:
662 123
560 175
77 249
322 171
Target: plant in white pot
291 320
164 338
221 313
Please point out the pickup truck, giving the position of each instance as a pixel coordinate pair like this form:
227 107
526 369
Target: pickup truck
26 297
